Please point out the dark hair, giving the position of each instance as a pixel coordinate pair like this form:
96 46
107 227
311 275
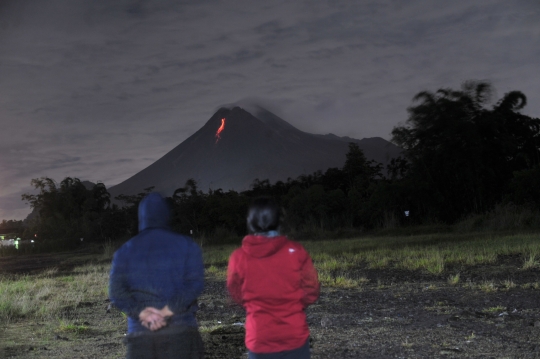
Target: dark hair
263 215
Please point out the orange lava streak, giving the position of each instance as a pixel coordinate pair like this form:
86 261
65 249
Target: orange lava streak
218 137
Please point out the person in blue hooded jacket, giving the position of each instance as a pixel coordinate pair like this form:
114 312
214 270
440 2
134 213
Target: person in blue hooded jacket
155 279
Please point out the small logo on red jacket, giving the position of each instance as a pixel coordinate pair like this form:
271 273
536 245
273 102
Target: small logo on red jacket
292 250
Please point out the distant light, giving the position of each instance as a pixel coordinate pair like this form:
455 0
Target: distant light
32 241
406 213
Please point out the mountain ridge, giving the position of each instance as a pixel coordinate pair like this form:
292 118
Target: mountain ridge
251 146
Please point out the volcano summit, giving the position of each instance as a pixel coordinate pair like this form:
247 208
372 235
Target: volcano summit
235 147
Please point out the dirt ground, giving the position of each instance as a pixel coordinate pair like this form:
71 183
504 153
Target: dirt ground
397 314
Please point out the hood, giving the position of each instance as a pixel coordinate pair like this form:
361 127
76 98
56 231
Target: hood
262 246
153 212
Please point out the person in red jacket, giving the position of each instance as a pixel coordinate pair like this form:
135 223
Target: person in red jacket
274 279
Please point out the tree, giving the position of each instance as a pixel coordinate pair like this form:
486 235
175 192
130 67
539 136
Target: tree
464 153
360 172
188 208
130 209
362 176
67 209
525 188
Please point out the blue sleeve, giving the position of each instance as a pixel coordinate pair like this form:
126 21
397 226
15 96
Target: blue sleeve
119 289
193 280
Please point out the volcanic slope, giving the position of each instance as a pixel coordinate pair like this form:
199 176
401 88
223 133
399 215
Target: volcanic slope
250 146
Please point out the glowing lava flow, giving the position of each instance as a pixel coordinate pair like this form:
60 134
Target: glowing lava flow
218 137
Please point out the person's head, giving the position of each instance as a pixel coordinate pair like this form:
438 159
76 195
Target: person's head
263 216
154 212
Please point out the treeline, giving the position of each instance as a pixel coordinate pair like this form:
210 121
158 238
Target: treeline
327 201
461 156
11 228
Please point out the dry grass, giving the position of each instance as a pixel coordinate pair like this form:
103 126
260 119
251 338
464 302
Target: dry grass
48 295
453 279
495 310
531 261
487 286
72 327
429 253
342 280
338 262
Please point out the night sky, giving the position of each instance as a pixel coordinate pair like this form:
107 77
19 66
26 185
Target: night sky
100 89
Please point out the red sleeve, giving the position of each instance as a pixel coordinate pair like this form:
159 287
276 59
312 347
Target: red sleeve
235 278
309 281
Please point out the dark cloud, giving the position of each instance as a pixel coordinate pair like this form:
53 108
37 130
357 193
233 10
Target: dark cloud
99 89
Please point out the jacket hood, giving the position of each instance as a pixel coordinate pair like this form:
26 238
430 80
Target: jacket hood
153 212
261 246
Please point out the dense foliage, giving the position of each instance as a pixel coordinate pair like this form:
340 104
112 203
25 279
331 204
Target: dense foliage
68 209
460 157
463 155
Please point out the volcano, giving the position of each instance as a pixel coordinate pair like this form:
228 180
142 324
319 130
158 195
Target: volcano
235 147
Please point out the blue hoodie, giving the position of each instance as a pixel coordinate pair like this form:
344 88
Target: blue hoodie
155 268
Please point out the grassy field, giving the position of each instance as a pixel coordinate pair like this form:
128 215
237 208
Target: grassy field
48 294
46 306
438 254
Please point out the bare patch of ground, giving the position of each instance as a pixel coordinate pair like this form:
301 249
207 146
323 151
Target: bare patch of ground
404 318
33 263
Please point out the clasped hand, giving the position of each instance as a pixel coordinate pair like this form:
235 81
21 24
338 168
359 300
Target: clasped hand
155 319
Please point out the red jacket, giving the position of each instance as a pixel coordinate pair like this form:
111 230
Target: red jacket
273 278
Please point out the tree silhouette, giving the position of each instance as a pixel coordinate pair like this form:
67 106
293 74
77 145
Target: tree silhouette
463 153
68 209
